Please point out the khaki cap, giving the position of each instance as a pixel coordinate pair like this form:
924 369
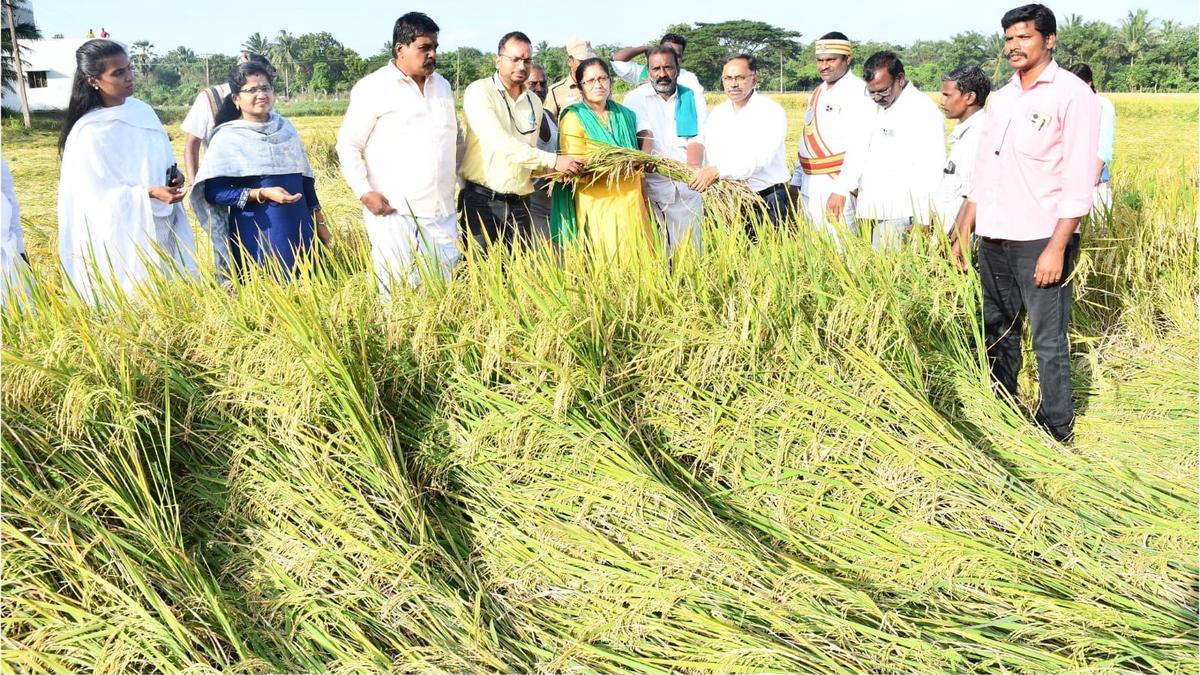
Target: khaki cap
580 49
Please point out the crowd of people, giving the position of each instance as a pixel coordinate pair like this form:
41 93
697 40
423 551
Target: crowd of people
872 162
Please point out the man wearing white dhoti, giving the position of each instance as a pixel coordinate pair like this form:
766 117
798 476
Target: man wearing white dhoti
399 147
837 117
670 121
119 216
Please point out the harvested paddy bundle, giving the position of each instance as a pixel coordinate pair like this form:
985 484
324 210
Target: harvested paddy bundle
729 201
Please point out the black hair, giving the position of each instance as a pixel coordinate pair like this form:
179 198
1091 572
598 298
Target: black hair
237 79
674 38
512 35
1041 16
662 49
588 63
751 62
252 57
91 59
1084 72
971 80
412 26
887 60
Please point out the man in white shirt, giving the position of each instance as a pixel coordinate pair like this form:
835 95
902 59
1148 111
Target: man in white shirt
398 147
539 201
634 73
964 92
899 172
670 121
200 120
838 115
743 140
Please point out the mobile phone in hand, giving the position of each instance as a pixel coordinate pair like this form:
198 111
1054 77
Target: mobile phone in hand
174 177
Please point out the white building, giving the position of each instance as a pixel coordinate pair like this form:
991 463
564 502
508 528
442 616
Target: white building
49 70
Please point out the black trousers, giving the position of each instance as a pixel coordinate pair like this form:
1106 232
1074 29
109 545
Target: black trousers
1006 270
492 220
778 209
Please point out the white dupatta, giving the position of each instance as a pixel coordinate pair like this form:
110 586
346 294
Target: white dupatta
14 272
109 228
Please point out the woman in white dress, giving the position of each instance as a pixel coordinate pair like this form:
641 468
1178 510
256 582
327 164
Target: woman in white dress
14 267
119 193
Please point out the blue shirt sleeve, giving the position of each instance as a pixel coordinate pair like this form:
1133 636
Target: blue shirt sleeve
1108 124
225 191
310 194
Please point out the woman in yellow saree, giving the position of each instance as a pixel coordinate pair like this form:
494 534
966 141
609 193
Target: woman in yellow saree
610 215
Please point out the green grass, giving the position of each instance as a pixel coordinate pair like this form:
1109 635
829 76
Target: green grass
775 457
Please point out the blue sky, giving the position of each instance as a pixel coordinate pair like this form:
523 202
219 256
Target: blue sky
220 26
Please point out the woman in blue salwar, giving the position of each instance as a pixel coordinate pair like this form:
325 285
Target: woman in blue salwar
255 192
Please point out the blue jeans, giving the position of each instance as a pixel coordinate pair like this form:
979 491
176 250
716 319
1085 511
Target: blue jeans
1006 273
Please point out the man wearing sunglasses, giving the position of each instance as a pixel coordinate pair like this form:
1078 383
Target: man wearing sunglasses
502 120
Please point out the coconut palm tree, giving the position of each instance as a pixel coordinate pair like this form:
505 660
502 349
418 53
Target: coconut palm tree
142 56
993 46
258 44
1169 28
1137 34
25 31
283 57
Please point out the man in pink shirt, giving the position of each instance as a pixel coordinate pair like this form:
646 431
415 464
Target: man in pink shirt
1033 183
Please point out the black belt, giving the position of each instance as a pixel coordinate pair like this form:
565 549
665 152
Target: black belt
771 190
492 195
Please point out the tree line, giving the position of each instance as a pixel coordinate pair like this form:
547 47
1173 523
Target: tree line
1140 54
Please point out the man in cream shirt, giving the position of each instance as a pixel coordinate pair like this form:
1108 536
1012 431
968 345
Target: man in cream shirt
838 116
398 148
898 174
503 121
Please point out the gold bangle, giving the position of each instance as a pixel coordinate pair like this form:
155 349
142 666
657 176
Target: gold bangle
257 194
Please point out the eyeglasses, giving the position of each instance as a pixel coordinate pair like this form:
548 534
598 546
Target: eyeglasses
596 81
516 59
736 79
263 89
880 95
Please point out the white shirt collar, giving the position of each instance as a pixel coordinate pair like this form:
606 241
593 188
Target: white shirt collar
966 125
